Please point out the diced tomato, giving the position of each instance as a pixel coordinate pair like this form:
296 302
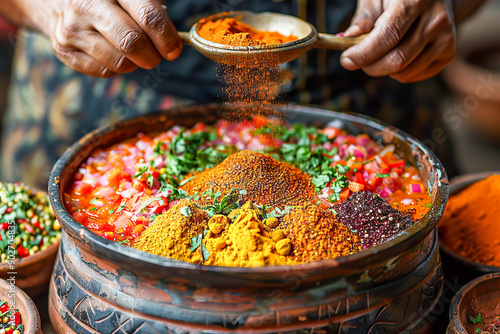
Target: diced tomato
344 194
9 331
115 175
4 308
138 229
28 228
82 189
23 252
375 182
4 226
359 178
17 318
331 132
138 185
152 171
354 186
109 235
199 127
80 217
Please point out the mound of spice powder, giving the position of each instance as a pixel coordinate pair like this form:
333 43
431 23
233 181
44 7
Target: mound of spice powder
371 218
232 32
263 179
316 234
170 233
471 222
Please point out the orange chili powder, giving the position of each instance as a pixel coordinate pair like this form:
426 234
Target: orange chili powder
232 32
471 222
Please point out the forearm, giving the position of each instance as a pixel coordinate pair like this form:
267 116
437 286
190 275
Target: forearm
32 14
462 9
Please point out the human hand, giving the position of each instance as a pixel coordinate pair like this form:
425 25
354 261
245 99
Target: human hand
104 37
409 40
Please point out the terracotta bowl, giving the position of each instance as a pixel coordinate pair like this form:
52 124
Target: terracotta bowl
33 272
481 295
29 313
103 286
457 268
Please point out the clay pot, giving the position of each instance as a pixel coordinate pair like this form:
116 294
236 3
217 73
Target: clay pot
33 272
481 295
27 309
103 286
459 269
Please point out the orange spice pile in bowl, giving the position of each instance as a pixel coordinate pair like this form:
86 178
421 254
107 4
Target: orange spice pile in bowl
229 31
470 225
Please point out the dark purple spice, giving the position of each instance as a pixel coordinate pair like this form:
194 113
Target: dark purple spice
371 218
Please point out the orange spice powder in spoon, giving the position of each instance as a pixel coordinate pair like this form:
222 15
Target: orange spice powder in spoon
232 32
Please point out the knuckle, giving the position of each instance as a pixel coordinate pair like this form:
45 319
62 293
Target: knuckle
81 6
69 30
392 34
131 42
398 60
441 19
152 18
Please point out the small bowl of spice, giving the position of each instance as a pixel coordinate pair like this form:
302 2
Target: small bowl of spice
469 231
476 307
29 237
18 313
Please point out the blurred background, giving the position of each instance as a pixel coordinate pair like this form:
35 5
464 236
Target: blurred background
470 109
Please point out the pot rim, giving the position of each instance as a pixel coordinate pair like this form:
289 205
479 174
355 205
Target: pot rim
454 313
404 241
458 184
31 320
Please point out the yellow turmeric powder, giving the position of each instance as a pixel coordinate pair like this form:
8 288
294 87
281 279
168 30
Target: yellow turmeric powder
170 234
245 243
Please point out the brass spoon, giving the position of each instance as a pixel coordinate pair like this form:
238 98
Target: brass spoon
269 55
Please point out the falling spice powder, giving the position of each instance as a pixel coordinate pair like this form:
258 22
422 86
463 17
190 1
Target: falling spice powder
248 86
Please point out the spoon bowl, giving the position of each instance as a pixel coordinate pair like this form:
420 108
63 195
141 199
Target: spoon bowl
271 54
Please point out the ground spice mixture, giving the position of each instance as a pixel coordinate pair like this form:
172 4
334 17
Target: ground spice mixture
171 233
245 242
315 234
370 217
264 180
471 222
232 32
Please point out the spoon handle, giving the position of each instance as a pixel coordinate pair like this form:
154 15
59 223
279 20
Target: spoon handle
184 36
328 41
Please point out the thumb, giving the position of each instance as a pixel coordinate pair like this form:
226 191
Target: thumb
364 18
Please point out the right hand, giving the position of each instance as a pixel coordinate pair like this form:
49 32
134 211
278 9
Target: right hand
104 37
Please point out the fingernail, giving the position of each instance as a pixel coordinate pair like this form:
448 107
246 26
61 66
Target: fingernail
352 31
174 54
348 63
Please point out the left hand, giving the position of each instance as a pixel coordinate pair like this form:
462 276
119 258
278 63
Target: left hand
409 40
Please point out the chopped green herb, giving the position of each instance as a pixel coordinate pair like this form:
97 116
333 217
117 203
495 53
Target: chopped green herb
186 211
383 175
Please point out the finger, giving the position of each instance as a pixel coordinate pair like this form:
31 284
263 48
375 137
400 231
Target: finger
74 35
441 51
126 36
152 17
80 61
403 54
432 70
364 18
389 29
